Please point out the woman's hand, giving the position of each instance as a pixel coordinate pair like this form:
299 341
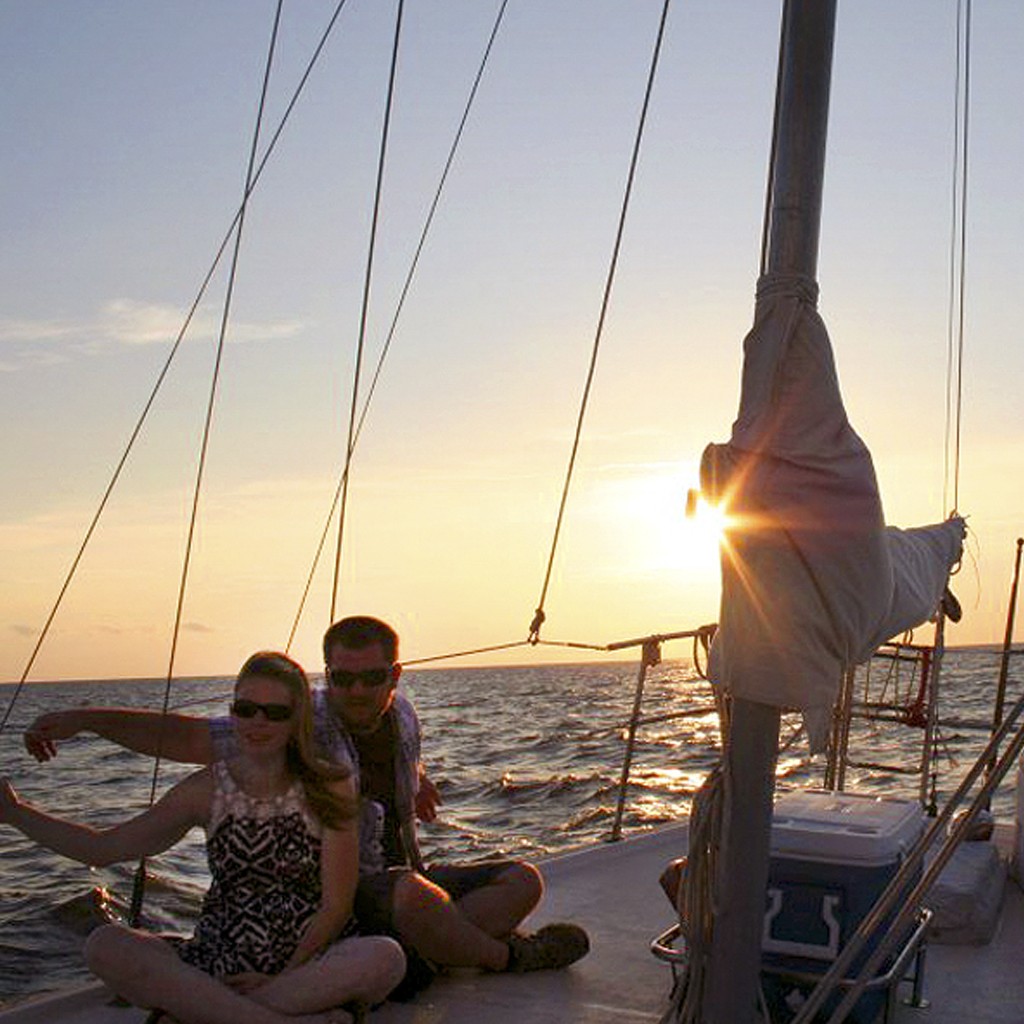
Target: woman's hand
246 981
8 800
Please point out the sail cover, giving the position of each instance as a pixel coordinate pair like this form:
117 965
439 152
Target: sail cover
812 579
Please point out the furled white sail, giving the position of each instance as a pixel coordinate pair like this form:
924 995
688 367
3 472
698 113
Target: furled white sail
812 579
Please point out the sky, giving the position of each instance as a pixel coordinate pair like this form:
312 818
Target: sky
127 132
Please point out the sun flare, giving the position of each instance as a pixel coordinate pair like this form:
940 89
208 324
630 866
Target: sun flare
711 522
668 533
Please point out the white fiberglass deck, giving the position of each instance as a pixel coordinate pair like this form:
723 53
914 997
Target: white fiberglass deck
613 891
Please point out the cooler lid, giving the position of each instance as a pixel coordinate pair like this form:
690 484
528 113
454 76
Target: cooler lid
846 828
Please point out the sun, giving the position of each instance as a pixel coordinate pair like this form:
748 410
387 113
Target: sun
665 531
710 522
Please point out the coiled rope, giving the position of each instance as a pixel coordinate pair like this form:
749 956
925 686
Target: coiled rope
695 898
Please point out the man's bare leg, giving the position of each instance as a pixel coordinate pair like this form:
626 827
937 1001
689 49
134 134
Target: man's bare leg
501 906
429 921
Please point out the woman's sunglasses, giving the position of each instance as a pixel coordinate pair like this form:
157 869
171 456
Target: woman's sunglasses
271 712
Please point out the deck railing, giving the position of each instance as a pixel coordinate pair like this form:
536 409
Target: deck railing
650 656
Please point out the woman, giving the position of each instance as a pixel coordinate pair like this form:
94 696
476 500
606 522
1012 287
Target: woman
282 845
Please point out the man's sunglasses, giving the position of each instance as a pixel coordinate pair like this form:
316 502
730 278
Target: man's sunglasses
345 680
271 712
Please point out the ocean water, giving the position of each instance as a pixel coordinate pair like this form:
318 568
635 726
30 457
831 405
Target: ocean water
528 761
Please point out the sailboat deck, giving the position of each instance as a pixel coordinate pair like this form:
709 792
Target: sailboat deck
613 890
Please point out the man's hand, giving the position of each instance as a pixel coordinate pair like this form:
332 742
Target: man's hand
42 735
428 796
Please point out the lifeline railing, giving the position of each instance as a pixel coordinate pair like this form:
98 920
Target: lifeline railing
650 656
920 709
916 708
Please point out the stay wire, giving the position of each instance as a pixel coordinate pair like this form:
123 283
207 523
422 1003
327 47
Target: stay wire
367 280
957 260
453 149
769 192
572 644
139 886
965 150
954 198
538 619
161 376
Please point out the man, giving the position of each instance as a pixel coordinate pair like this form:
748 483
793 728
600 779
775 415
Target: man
452 915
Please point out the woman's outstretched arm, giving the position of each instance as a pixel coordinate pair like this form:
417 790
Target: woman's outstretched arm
185 805
182 738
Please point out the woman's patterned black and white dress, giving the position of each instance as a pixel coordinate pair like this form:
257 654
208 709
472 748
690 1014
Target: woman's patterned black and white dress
264 858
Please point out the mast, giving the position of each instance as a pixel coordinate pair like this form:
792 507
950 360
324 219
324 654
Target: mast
792 229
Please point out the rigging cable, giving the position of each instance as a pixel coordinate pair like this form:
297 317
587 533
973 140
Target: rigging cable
574 645
161 376
453 149
140 875
957 260
368 277
701 636
538 618
769 192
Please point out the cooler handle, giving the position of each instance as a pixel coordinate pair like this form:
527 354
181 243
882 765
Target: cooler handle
770 944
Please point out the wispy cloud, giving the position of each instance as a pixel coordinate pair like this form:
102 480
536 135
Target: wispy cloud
15 331
123 322
32 358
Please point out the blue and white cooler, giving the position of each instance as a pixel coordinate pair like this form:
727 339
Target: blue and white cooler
832 854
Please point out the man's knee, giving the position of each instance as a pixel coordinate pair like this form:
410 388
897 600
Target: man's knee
413 893
526 880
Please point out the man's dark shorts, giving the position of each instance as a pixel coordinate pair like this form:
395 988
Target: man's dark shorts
374 900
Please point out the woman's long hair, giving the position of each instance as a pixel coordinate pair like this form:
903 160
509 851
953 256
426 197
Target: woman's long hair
313 772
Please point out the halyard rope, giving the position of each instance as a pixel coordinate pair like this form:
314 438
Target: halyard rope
957 261
365 305
139 886
538 617
453 149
